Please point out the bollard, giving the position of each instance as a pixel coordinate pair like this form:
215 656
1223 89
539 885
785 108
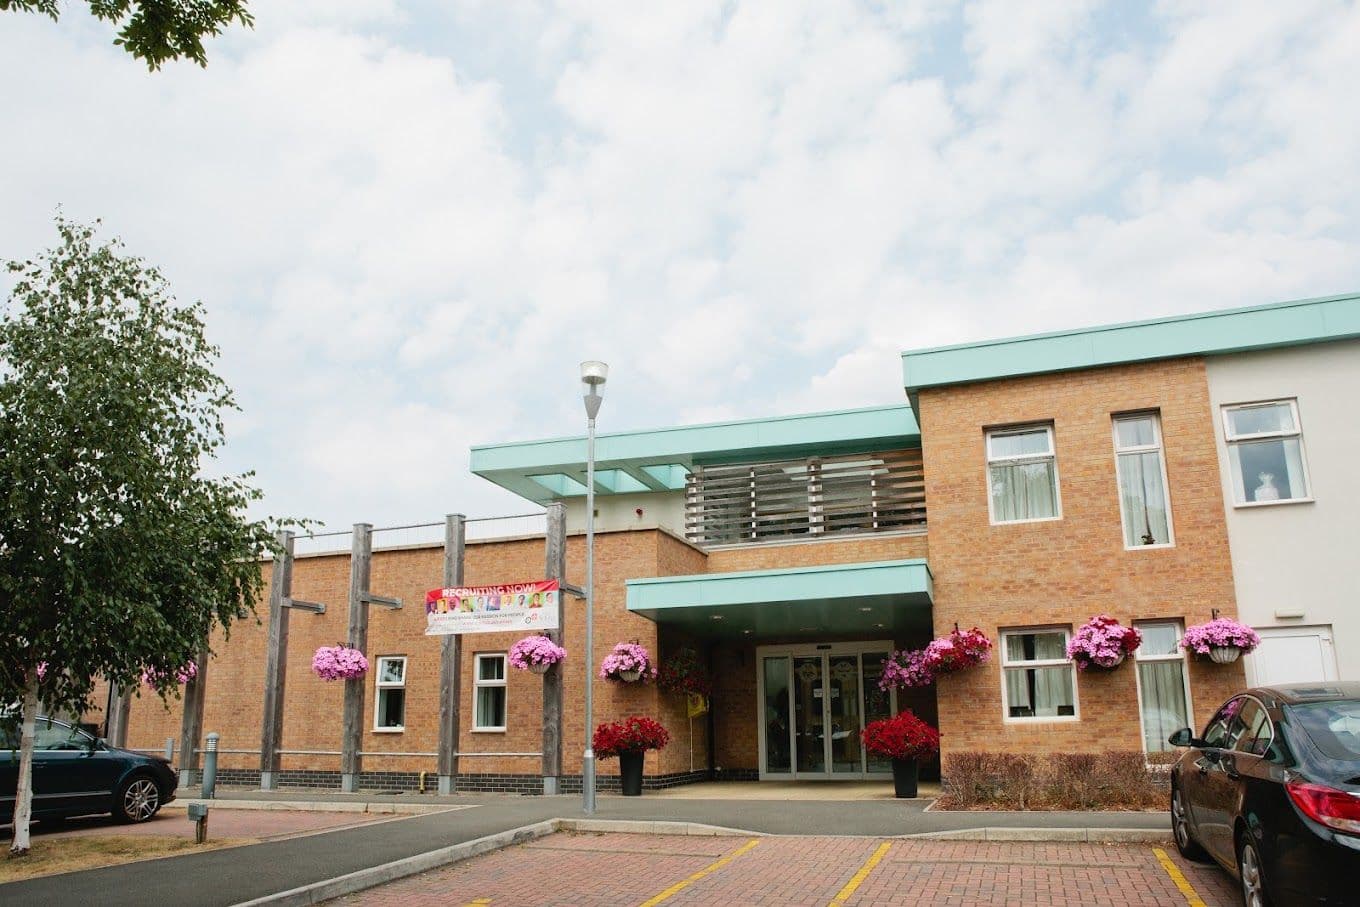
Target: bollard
210 765
169 749
198 813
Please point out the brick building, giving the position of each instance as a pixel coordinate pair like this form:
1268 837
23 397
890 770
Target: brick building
1026 486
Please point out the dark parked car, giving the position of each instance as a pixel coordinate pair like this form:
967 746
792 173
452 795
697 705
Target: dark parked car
75 774
1272 793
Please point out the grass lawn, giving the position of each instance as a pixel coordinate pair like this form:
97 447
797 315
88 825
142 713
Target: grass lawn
49 856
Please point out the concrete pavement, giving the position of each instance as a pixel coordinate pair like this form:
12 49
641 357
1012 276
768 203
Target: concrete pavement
234 875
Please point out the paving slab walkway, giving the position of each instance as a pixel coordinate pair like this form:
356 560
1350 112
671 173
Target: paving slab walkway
635 869
570 869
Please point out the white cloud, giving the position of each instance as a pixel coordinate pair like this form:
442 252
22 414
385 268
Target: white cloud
411 222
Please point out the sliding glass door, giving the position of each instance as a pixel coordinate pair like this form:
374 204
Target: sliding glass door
814 702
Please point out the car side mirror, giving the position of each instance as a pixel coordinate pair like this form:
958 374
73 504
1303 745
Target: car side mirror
1184 737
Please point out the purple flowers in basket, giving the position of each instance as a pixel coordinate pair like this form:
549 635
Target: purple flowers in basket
339 662
1221 632
627 657
534 651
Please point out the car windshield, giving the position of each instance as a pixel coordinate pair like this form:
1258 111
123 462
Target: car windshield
1334 727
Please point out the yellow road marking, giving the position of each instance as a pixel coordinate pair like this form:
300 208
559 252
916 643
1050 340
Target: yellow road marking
707 870
858 878
1191 896
480 902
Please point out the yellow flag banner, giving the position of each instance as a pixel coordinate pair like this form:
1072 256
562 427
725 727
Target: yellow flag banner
698 705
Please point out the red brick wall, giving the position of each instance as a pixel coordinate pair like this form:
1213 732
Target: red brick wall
312 708
1065 571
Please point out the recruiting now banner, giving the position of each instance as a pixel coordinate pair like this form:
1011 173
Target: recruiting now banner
492 609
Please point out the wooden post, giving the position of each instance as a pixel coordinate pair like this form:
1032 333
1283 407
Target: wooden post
555 543
116 722
360 565
276 662
450 659
191 722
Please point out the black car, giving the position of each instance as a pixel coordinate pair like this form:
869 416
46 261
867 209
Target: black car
1272 793
75 774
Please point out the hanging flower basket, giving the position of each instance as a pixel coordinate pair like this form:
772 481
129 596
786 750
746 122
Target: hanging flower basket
628 663
960 650
536 654
339 662
1222 639
684 674
152 677
1103 643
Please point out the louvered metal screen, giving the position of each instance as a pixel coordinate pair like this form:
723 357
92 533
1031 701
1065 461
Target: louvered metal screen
840 495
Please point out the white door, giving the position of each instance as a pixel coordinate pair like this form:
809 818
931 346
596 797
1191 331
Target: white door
1292 655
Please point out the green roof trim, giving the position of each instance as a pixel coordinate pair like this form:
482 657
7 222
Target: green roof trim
1216 333
658 460
883 597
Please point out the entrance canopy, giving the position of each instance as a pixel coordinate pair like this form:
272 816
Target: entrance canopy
867 600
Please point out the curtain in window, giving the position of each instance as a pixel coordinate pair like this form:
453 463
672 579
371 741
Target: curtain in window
1023 491
1140 485
1040 691
1163 702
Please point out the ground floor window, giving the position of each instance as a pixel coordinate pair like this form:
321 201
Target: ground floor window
389 713
1038 682
1163 695
488 712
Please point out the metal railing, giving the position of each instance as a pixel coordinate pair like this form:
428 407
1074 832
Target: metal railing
338 541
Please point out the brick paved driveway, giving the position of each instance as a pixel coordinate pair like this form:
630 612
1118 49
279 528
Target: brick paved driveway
649 870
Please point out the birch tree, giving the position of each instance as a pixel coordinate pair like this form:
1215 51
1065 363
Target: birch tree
118 554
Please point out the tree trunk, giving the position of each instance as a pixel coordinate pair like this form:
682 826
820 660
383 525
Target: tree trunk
23 795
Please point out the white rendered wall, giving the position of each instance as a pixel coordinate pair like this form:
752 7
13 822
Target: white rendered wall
620 511
1300 558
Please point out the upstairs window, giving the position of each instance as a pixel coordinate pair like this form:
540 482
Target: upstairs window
1265 453
1143 501
1022 475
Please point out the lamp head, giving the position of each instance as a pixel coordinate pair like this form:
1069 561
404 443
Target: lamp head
594 374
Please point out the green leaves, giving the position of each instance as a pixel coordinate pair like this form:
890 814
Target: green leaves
116 553
155 31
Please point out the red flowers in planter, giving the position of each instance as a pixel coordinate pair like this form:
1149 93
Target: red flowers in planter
903 736
631 735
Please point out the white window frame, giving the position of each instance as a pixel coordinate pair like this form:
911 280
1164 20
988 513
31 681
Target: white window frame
1178 655
1159 446
1052 455
1231 440
379 685
478 684
1066 662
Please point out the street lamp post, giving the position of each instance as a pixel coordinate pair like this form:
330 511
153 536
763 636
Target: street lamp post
593 376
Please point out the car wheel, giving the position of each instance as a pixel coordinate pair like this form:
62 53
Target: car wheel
1252 873
137 800
1180 830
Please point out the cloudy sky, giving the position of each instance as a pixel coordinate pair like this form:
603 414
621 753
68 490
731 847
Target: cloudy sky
410 221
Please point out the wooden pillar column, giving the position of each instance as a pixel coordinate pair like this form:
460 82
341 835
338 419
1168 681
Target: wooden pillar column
276 661
191 722
556 568
450 659
360 566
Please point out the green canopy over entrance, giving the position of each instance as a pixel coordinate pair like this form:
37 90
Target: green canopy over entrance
877 599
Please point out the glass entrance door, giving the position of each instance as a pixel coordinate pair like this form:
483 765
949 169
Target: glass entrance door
815 701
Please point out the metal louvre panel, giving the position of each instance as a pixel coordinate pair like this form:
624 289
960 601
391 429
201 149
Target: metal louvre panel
842 494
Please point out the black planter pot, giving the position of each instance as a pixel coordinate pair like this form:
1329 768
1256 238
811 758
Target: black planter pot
630 774
904 777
